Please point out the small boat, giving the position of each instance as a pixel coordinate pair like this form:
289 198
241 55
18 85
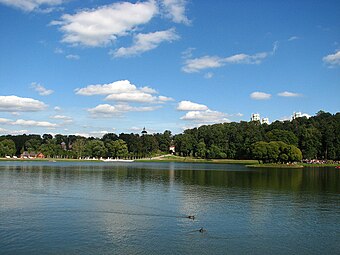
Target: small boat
118 160
337 167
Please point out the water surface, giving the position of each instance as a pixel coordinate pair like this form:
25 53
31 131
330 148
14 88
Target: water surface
142 208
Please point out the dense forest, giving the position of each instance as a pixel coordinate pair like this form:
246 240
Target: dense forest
317 137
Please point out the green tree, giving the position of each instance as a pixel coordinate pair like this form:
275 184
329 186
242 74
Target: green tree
95 148
50 148
260 151
285 136
7 147
201 149
78 147
117 149
33 145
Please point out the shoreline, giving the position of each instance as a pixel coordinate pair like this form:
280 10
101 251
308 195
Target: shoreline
167 158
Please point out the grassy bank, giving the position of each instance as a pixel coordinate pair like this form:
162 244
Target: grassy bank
173 158
275 166
298 165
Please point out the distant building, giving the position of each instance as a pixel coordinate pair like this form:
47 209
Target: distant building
40 155
255 117
296 115
63 146
144 132
265 121
300 115
172 149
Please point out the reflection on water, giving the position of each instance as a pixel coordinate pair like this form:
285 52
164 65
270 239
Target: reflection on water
142 208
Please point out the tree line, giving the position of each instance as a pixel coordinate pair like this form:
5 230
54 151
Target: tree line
317 137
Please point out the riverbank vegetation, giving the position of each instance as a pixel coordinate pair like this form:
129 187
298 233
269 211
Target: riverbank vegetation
280 142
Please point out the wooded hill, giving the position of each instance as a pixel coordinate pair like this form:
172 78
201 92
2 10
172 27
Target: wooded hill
316 137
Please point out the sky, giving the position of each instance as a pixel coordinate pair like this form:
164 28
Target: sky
95 67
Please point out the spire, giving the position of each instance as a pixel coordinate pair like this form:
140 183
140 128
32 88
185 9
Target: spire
144 131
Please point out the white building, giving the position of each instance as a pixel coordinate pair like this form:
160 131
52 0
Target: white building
255 117
296 115
265 121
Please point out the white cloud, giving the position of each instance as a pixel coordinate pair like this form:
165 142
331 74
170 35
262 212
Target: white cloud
134 129
260 95
60 117
73 57
41 89
122 86
332 59
13 132
146 42
289 94
198 64
148 90
207 116
106 110
190 106
164 99
102 26
193 65
34 123
20 104
32 5
293 38
58 51
175 10
123 91
136 96
4 121
65 119
57 108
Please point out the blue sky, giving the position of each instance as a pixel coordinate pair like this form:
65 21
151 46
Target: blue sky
92 67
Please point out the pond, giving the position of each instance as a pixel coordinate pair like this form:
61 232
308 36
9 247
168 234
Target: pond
143 208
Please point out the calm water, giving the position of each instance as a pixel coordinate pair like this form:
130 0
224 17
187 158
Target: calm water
141 208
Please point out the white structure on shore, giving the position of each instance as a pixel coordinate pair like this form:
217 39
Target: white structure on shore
257 117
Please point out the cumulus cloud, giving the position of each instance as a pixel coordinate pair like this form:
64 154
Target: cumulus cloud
293 38
34 123
65 119
207 116
33 5
73 57
175 10
289 94
13 132
260 96
41 89
107 111
102 26
4 121
122 86
146 42
60 117
123 91
198 64
190 106
192 65
20 104
332 59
